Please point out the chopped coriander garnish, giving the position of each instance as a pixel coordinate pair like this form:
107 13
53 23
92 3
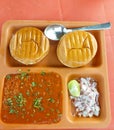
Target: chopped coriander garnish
51 100
43 73
23 75
41 108
12 111
37 104
34 84
9 102
8 76
11 106
20 100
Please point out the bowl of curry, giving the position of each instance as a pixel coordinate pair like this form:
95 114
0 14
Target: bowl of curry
32 98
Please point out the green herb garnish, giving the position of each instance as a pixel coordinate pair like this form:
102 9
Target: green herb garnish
51 100
41 108
20 100
12 111
37 104
9 102
43 73
8 76
23 75
34 84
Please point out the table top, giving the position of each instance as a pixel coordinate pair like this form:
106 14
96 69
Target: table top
67 10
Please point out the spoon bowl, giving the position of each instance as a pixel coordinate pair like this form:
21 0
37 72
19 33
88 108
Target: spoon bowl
56 31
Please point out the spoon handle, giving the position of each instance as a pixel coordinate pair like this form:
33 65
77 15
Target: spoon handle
93 27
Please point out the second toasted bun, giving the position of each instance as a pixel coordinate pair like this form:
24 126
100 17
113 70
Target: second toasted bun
29 45
77 48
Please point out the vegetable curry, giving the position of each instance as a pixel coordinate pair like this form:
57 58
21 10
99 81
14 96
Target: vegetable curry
32 98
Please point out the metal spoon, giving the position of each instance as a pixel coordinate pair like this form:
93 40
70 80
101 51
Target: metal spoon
56 31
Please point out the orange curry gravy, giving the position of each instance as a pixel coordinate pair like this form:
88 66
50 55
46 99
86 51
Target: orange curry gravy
32 98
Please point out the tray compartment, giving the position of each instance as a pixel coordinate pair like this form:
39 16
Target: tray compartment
51 59
32 125
104 117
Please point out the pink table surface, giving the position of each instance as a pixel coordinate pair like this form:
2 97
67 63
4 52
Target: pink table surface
67 10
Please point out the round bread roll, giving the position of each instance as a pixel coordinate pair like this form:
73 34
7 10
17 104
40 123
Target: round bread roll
76 49
29 45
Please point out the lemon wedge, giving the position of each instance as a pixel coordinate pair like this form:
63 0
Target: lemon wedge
74 88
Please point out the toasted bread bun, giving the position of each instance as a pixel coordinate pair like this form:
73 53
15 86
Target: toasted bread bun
29 45
76 48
